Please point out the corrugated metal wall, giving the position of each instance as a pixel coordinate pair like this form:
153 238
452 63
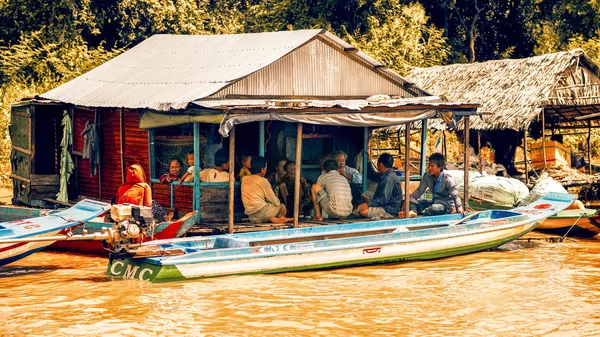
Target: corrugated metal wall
183 196
110 162
88 186
315 69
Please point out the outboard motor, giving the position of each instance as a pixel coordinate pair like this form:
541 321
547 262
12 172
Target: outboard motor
132 225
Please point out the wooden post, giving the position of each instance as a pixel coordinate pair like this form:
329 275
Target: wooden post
231 177
122 139
466 177
297 176
589 149
406 169
197 167
365 158
152 153
479 151
423 146
525 156
544 138
261 138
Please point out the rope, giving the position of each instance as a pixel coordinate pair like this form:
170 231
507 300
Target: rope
573 225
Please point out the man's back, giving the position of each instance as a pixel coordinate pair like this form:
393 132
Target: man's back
338 189
256 192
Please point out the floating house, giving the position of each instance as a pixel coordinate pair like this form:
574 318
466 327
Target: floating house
290 94
522 97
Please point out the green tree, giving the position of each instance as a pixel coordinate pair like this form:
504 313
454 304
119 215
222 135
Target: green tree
403 40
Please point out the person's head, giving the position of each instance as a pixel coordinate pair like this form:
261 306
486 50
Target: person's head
190 158
175 167
436 164
259 166
340 157
290 168
135 174
330 165
385 162
222 159
246 160
280 167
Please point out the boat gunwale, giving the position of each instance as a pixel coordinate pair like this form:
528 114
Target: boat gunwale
384 239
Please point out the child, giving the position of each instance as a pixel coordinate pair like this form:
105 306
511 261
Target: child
246 163
189 175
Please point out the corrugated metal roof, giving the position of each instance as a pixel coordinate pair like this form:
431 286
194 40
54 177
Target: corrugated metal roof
169 71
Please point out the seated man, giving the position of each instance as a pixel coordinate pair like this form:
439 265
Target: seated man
445 195
354 177
387 200
174 172
331 194
219 173
286 190
260 202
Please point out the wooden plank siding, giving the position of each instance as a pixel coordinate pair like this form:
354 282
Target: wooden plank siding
88 185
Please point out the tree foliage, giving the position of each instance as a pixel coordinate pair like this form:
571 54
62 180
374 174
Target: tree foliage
45 43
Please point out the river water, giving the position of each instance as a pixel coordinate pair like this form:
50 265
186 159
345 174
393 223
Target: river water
521 289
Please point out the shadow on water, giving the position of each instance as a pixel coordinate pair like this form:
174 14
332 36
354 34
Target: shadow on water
95 279
6 272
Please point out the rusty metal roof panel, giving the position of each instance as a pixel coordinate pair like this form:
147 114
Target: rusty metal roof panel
169 71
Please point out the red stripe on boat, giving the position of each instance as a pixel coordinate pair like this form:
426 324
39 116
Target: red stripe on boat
13 246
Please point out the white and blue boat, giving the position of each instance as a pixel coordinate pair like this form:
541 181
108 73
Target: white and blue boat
20 238
333 246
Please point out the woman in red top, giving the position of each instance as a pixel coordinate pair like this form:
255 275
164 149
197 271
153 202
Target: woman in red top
135 190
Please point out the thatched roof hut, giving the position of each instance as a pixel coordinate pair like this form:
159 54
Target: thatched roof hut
564 86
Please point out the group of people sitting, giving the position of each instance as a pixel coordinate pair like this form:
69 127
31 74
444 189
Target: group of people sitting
333 196
272 199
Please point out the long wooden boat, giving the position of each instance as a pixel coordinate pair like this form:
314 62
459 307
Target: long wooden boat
332 246
20 238
161 231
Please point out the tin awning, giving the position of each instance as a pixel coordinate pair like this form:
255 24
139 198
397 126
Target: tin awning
357 113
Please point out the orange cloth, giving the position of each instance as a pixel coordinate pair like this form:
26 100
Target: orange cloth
135 190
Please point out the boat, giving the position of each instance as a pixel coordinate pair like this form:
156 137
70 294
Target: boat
579 222
160 231
21 238
341 245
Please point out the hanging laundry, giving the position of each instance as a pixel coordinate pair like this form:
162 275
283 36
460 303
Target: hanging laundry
66 162
91 146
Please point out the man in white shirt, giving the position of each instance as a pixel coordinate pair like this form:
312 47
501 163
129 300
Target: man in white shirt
260 203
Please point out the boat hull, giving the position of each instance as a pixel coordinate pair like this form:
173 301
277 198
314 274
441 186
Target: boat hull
576 222
21 238
164 230
343 245
366 254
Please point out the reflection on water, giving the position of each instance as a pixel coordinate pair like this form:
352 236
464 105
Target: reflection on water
523 289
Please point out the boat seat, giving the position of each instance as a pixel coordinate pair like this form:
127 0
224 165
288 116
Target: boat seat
230 243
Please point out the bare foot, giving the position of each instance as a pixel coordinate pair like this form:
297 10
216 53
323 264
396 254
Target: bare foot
280 219
411 214
318 218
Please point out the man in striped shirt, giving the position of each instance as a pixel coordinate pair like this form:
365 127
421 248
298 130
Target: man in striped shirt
331 194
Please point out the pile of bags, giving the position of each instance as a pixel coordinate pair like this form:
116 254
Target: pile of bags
503 191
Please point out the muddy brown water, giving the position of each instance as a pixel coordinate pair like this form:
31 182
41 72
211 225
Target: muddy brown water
521 289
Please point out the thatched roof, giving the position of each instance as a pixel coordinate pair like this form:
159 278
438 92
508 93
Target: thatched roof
514 92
